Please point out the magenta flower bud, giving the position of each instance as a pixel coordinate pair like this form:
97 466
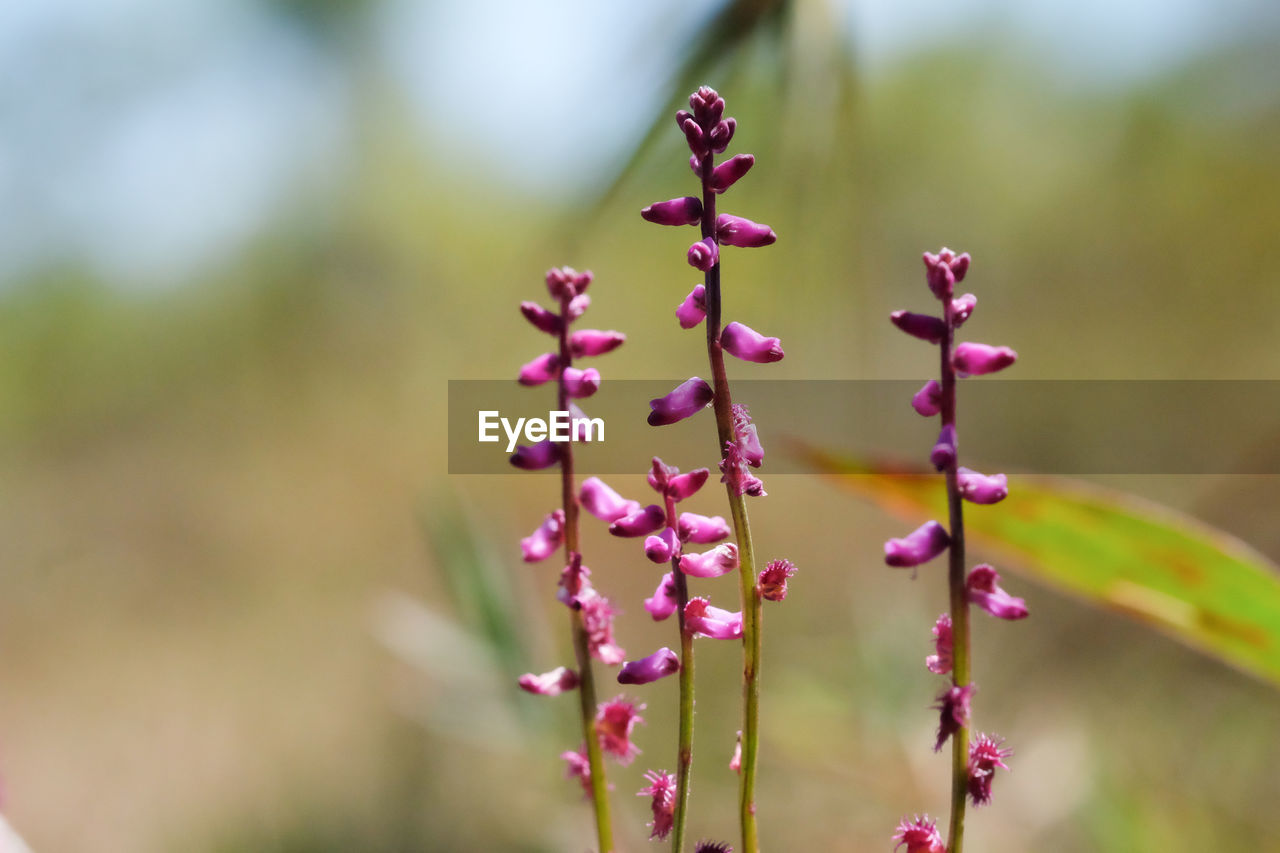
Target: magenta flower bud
721 135
542 369
551 683
695 165
578 306
944 270
677 211
660 664
720 560
940 663
695 137
986 753
660 547
681 117
580 384
727 173
701 529
663 602
660 474
704 254
541 318
743 233
984 591
976 359
707 105
694 308
962 307
703 620
642 522
535 457
953 712
920 546
688 398
662 790
544 541
922 326
749 345
588 342
928 400
944 452
682 486
615 720
603 502
981 489
920 835
566 282
772 582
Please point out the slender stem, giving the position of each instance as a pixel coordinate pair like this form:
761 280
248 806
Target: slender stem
959 595
586 677
684 757
751 642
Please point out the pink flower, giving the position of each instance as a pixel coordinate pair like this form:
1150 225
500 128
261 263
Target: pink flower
603 502
579 384
981 489
703 620
920 834
688 398
660 664
944 452
660 547
943 270
986 753
662 788
985 592
701 529
735 761
642 522
940 663
962 307
542 369
720 560
953 712
566 282
743 452
922 326
747 437
544 541
920 546
551 683
749 345
663 602
694 308
542 319
597 620
977 359
589 342
535 457
928 400
578 767
704 254
737 231
730 171
678 211
614 721
682 486
773 580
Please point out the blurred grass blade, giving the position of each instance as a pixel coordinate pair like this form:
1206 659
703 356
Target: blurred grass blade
1161 567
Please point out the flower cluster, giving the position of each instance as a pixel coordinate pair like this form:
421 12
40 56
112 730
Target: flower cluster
980 587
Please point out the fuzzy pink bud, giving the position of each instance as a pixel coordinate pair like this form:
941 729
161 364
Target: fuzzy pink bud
535 457
973 359
578 766
551 683
703 620
678 211
642 522
940 662
985 592
981 488
662 791
953 712
544 541
721 135
701 529
603 502
773 580
748 439
962 307
688 398
743 233
704 254
919 835
660 547
574 582
580 384
720 560
922 326
588 342
541 318
986 753
943 270
542 369
663 602
749 345
928 400
694 308
615 720
730 171
566 282
597 621
920 546
660 664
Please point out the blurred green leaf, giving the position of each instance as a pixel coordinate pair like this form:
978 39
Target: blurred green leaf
1161 567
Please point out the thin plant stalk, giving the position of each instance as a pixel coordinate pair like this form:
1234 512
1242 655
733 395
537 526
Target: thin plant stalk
684 754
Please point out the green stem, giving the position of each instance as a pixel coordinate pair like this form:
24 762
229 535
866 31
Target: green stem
684 757
581 649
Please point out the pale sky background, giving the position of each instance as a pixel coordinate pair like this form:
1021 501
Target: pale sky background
147 139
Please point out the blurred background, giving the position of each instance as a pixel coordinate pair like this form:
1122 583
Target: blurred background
245 243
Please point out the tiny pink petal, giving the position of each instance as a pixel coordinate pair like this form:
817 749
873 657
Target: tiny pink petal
688 398
603 502
743 233
920 546
642 522
535 457
720 560
922 326
694 308
646 670
660 547
928 400
551 683
731 171
663 602
677 211
703 620
704 254
702 529
544 541
749 345
542 369
981 488
985 592
974 359
541 318
591 342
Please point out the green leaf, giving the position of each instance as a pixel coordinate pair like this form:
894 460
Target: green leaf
1159 566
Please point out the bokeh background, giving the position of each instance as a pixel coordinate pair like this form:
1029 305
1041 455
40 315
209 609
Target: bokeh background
245 244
